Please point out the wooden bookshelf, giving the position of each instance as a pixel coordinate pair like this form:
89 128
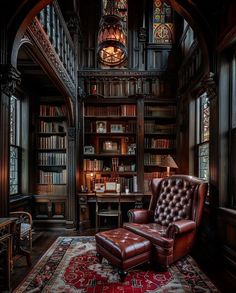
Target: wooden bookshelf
124 141
109 152
50 188
159 138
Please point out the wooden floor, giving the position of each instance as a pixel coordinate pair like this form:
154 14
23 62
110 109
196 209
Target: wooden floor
43 240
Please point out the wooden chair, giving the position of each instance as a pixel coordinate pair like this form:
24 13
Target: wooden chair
108 205
23 235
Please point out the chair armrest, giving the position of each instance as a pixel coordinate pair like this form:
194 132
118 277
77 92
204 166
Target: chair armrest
140 216
24 217
180 227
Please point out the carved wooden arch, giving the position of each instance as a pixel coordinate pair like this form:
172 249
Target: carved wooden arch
22 15
199 25
17 26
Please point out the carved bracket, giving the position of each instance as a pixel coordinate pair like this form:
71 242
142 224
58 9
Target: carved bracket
209 85
142 34
9 79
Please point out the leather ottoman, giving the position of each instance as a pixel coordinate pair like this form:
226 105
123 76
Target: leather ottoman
123 249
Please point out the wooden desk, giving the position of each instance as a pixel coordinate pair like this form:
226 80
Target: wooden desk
7 227
86 199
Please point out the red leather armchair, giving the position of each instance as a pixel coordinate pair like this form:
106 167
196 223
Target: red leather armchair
174 213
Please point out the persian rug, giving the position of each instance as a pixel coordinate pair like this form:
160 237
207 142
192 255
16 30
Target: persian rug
70 265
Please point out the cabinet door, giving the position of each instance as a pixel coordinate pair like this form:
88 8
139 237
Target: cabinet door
42 208
58 209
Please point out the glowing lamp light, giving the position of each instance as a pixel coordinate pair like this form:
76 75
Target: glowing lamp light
111 50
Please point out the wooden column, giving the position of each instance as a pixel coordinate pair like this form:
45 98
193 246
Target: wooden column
71 155
9 78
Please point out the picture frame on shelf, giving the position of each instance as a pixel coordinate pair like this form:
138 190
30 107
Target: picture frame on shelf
110 146
110 186
89 150
99 187
101 126
116 128
131 149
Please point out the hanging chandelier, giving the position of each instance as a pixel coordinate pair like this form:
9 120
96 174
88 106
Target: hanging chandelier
111 50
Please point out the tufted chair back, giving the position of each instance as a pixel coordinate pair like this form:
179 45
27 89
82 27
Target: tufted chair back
177 198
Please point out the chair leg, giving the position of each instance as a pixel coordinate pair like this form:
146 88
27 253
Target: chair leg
26 253
99 256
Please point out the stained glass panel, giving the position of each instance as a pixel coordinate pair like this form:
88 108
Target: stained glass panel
12 120
162 23
203 163
14 144
205 118
14 184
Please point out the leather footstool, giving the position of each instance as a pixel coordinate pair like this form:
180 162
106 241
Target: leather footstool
123 249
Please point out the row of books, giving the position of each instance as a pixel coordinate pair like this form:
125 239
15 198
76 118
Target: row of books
52 142
51 189
54 111
152 159
160 111
93 165
130 183
52 126
121 110
151 127
53 177
52 159
159 143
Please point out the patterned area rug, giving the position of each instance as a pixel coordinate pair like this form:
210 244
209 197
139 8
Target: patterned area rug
70 265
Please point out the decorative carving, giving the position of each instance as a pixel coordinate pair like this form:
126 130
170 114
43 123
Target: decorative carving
42 40
9 79
142 35
71 133
123 83
73 24
209 85
120 73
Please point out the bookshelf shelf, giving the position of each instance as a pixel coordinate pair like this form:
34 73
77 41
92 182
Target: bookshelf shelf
111 134
51 133
51 150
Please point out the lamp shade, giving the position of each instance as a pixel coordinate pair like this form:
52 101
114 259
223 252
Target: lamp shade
168 161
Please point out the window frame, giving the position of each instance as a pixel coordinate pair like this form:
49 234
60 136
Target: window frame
200 140
15 143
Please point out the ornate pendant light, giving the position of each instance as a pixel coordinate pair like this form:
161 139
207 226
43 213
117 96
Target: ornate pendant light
111 50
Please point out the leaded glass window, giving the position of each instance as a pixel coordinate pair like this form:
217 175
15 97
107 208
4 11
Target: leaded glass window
162 22
203 115
203 161
14 168
14 145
